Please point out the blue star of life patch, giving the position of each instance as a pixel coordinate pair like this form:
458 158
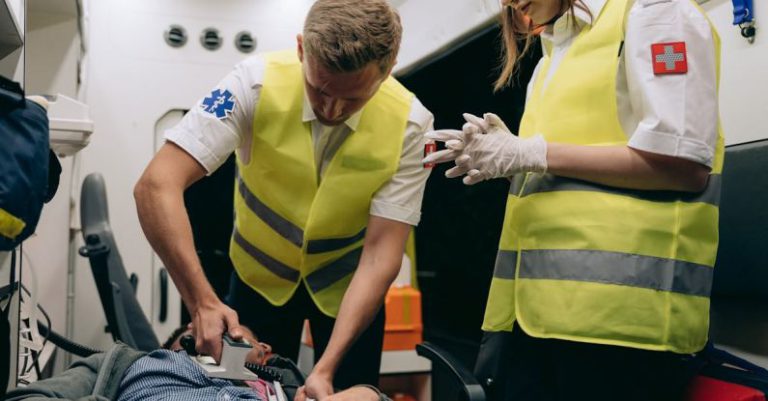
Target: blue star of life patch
219 103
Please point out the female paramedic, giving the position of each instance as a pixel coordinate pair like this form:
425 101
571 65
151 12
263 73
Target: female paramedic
602 280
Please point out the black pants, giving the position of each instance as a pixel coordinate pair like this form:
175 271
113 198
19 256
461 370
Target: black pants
517 367
280 327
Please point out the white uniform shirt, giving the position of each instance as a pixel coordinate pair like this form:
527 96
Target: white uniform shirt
211 140
670 114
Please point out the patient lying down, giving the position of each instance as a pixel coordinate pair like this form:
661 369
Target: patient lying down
170 374
125 374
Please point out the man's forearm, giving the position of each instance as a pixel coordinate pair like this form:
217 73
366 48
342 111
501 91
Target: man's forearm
165 222
379 265
361 302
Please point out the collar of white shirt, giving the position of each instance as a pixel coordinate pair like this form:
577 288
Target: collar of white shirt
309 115
562 29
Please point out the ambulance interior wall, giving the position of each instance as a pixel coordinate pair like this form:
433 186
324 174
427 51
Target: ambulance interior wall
48 65
52 51
431 26
12 65
743 81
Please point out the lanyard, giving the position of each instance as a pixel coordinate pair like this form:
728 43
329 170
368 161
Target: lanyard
744 17
742 12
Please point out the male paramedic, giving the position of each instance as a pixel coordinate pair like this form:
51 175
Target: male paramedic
329 183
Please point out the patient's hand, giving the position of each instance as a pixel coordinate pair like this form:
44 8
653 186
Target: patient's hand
352 394
317 387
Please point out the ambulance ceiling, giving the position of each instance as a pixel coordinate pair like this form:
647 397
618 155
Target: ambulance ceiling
432 26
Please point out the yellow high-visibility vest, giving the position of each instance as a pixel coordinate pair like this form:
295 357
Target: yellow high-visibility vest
288 227
585 262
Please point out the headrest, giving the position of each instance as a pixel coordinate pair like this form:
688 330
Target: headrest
741 269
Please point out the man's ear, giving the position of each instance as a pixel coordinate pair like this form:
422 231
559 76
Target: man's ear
300 47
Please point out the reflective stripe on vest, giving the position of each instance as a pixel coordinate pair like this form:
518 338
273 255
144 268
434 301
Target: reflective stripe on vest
292 224
630 270
335 271
586 262
332 244
290 231
317 280
10 225
285 228
275 266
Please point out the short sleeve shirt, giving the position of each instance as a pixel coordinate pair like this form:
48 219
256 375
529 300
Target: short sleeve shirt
210 137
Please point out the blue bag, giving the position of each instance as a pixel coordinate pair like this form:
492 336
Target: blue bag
24 164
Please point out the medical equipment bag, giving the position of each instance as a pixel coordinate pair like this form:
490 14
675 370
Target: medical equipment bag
736 379
24 164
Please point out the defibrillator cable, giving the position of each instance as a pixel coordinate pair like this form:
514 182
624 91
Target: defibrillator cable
61 341
67 344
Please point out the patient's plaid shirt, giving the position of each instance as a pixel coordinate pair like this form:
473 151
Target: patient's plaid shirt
173 376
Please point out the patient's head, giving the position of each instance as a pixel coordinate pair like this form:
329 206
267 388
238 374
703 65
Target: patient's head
258 355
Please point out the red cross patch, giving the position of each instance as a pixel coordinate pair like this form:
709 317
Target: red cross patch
669 58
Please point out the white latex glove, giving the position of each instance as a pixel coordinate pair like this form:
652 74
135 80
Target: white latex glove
454 143
493 154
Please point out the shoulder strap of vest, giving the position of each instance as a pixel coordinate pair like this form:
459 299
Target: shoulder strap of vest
546 46
393 88
282 57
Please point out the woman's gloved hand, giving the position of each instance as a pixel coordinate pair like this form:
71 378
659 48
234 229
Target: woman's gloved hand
486 149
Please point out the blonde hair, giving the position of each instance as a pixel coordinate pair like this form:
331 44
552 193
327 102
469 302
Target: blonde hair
516 27
347 35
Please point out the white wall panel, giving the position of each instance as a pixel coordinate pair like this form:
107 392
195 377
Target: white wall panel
47 250
12 65
743 81
17 6
53 47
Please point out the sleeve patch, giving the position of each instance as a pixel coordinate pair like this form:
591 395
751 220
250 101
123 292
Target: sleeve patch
669 58
429 148
219 103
